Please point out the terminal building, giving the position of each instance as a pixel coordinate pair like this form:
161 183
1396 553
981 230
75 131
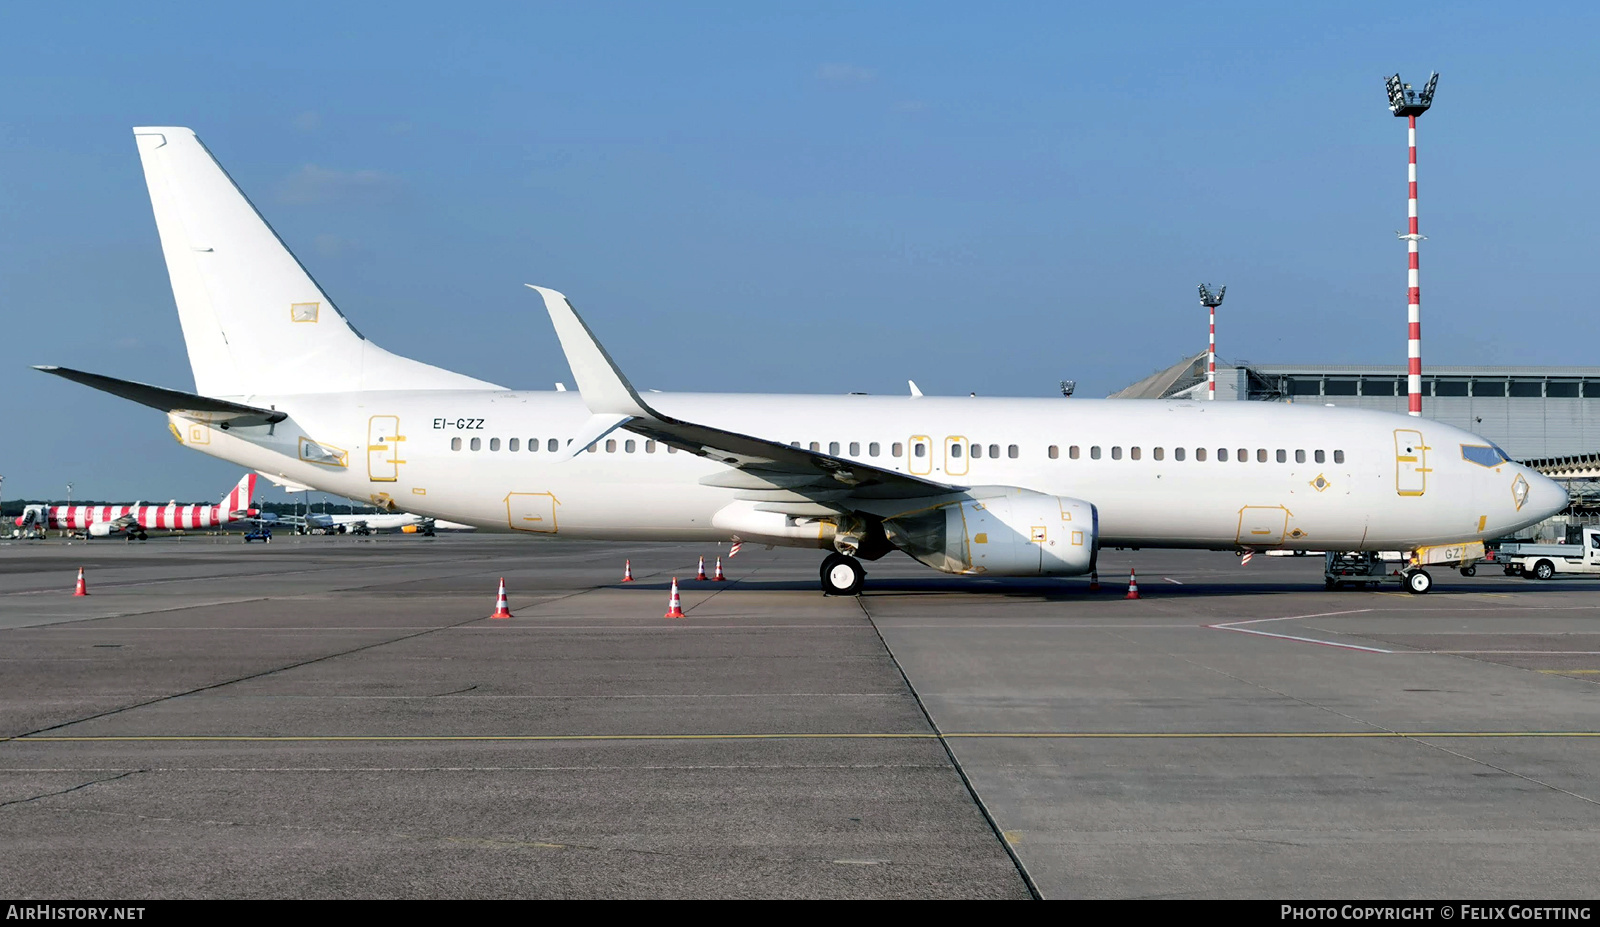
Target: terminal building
1545 417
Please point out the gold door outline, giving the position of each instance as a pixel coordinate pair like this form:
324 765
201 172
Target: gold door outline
383 448
913 461
1262 525
955 466
532 511
1410 462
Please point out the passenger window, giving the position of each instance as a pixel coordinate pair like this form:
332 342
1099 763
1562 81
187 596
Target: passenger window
833 448
994 450
455 444
611 446
552 445
872 449
1283 456
494 444
1261 455
592 448
1133 453
1321 457
1094 452
476 444
794 443
1012 452
1177 453
1200 453
1338 456
1300 456
1055 452
1244 455
513 445
955 450
533 445
629 446
1116 452
1073 452
855 448
1222 454
919 449
1159 453
815 446
649 447
671 449
896 449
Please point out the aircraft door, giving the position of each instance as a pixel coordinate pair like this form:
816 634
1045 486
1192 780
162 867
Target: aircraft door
955 455
919 455
383 448
1410 462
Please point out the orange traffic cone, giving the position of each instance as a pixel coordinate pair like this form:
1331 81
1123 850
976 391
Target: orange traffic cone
717 577
1133 585
501 608
1094 581
674 607
700 573
82 589
627 571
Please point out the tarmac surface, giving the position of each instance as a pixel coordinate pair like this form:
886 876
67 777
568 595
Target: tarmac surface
338 717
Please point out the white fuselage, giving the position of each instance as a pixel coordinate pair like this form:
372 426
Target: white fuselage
1347 479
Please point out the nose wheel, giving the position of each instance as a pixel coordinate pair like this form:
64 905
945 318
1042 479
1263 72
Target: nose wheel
842 575
1418 582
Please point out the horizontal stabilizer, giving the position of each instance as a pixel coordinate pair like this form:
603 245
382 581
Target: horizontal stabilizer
177 402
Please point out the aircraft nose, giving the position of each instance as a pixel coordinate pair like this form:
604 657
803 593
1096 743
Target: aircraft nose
1546 495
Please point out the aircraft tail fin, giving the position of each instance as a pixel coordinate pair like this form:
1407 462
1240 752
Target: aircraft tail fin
254 320
237 503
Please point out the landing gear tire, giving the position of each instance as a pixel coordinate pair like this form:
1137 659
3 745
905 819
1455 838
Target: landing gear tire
1418 582
842 575
1469 571
1544 569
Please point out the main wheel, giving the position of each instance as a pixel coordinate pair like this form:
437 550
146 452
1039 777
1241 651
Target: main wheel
1544 569
842 575
1418 581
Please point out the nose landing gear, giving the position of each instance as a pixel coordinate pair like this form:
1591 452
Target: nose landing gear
842 575
1418 582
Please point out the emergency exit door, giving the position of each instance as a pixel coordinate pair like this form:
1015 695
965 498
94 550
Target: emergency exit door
1410 462
383 448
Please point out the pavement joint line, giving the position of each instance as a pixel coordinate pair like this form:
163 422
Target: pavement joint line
955 763
267 672
878 735
232 577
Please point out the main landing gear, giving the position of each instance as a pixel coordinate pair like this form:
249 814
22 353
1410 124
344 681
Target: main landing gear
842 575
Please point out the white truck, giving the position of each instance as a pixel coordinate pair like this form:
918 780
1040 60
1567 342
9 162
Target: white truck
1544 561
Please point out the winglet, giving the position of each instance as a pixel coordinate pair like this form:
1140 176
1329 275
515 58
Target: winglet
915 393
603 387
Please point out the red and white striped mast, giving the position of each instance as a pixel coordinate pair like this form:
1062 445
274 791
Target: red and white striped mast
1211 301
1404 101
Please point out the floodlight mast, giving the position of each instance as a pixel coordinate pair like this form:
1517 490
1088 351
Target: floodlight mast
1404 101
1211 301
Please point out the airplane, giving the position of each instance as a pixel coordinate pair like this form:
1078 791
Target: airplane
405 522
966 485
134 522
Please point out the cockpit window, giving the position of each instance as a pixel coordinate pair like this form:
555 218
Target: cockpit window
1484 456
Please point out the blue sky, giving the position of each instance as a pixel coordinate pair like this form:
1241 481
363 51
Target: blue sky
796 197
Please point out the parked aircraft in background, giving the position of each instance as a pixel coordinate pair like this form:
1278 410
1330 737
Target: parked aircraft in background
319 523
136 521
973 485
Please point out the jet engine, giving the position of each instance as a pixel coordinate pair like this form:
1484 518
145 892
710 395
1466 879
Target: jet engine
1014 532
104 529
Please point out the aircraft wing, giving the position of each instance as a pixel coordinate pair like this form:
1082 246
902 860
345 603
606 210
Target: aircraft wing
766 464
189 405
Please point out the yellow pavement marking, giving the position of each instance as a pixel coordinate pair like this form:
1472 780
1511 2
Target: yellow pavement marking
1017 735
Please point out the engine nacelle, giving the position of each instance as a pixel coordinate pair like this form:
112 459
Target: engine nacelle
102 529
1012 532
